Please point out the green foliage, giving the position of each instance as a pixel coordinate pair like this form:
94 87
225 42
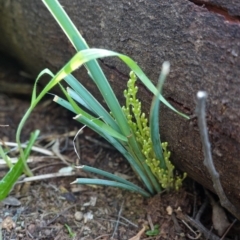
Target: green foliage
15 171
163 171
126 129
70 231
153 232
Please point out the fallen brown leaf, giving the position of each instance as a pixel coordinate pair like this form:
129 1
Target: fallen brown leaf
137 237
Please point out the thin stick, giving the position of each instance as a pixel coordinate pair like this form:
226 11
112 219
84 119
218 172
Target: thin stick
201 210
117 223
128 221
36 149
224 235
34 160
197 224
46 176
189 227
150 222
113 220
101 236
208 161
74 139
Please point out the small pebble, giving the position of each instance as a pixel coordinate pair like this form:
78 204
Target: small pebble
169 210
78 216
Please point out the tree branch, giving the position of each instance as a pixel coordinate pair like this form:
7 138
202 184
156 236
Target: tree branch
208 161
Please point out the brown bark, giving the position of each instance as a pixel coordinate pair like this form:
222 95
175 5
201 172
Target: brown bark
201 39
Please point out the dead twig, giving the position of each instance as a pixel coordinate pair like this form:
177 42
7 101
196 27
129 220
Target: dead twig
219 218
101 236
226 232
46 176
196 233
201 210
177 227
36 149
114 221
198 225
57 215
129 222
150 222
118 220
208 161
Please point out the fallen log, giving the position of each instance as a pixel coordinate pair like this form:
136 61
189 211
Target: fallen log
201 39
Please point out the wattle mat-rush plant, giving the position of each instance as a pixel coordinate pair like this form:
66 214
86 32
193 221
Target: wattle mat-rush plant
126 128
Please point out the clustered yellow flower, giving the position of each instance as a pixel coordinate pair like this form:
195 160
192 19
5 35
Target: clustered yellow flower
139 125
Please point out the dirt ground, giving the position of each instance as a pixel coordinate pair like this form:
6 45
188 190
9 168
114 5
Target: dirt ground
50 207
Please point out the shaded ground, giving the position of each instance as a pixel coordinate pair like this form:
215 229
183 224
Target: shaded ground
55 209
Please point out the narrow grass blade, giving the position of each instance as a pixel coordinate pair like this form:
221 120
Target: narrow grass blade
79 100
90 181
109 130
109 175
91 101
139 156
66 24
80 112
92 66
34 101
154 117
62 102
94 69
136 165
34 93
14 173
89 54
5 157
137 152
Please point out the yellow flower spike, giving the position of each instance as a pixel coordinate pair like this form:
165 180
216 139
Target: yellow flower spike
143 116
132 75
139 124
129 84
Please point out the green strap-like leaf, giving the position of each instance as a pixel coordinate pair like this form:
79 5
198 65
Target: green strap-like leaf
91 101
72 106
154 117
109 175
90 181
14 173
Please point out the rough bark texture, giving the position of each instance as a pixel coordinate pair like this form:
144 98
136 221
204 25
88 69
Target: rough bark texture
201 39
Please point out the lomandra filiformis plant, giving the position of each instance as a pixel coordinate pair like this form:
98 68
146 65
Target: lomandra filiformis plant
162 168
126 129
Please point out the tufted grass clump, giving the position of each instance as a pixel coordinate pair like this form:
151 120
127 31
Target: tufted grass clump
126 128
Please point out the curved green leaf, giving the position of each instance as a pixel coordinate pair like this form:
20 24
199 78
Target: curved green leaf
154 117
91 181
